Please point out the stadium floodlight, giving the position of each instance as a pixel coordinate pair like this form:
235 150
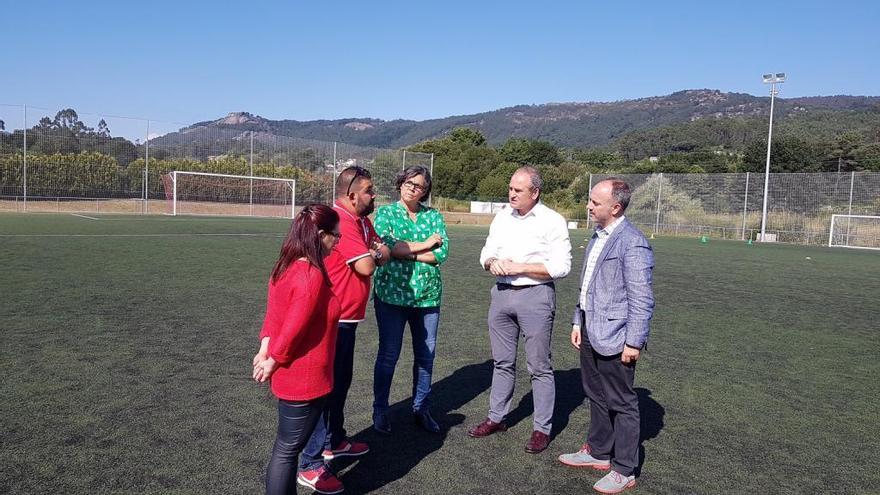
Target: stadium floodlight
772 80
779 77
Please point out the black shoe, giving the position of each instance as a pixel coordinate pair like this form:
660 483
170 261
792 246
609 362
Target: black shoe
424 419
381 424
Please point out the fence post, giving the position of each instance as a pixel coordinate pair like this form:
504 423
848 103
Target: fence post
659 189
144 192
432 177
147 171
745 208
293 200
333 182
174 192
589 190
24 161
251 161
852 181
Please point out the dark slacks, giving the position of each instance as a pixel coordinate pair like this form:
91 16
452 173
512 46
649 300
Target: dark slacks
296 421
614 408
330 430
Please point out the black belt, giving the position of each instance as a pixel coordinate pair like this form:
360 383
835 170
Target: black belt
503 286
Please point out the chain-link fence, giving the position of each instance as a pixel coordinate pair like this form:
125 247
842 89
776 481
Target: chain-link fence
79 161
729 206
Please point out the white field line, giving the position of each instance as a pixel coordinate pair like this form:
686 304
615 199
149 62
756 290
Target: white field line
84 216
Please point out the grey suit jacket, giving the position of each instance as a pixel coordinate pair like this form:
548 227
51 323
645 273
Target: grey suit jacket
620 299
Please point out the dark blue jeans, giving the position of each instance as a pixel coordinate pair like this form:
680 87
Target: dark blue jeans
392 320
330 430
296 421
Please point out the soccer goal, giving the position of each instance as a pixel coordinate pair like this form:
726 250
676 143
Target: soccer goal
201 193
855 231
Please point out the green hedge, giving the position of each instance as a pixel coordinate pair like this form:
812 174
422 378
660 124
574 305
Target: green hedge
81 174
92 174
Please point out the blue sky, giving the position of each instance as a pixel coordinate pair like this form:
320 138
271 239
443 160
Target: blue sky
184 61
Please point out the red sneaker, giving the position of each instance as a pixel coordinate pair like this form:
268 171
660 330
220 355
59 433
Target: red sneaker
346 449
320 480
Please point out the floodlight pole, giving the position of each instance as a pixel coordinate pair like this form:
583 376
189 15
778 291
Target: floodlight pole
770 79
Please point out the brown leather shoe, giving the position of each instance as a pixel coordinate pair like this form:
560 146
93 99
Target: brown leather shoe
486 428
538 442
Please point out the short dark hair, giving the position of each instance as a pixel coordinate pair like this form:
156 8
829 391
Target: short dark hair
620 191
414 171
348 177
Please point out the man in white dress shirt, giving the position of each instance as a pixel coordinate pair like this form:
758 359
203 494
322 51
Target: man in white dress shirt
527 249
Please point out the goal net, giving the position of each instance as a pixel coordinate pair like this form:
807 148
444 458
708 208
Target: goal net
200 193
855 231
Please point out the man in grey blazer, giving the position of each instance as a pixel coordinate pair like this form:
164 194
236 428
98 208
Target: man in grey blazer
610 328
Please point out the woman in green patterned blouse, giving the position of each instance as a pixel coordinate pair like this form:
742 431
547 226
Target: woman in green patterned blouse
407 289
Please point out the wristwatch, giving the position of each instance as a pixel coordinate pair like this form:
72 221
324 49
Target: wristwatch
378 255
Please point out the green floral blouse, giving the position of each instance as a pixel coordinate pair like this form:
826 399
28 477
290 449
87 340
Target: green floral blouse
409 283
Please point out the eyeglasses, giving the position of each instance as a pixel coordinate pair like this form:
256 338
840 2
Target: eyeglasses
415 187
337 235
358 172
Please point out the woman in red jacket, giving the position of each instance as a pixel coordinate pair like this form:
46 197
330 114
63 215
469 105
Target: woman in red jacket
298 338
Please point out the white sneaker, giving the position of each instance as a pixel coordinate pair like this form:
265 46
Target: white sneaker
614 482
582 458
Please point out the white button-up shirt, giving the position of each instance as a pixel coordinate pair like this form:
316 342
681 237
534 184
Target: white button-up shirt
539 236
593 257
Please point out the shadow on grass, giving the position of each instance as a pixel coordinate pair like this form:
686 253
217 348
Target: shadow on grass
651 415
392 457
570 396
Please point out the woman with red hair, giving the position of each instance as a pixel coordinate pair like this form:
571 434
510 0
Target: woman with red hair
298 338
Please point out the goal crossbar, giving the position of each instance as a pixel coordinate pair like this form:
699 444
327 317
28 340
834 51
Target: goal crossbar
183 172
291 183
874 234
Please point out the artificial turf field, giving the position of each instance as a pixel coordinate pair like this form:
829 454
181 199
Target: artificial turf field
126 345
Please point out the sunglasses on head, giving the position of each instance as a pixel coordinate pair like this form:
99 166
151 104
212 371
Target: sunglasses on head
358 172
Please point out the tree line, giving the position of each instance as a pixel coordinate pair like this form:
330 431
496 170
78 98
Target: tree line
467 167
63 150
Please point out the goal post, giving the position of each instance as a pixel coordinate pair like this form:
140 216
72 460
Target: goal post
204 193
854 231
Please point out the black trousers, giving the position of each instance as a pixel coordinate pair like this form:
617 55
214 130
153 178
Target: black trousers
330 430
614 408
296 421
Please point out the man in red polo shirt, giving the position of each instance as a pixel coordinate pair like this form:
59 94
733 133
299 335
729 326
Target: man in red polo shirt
350 266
